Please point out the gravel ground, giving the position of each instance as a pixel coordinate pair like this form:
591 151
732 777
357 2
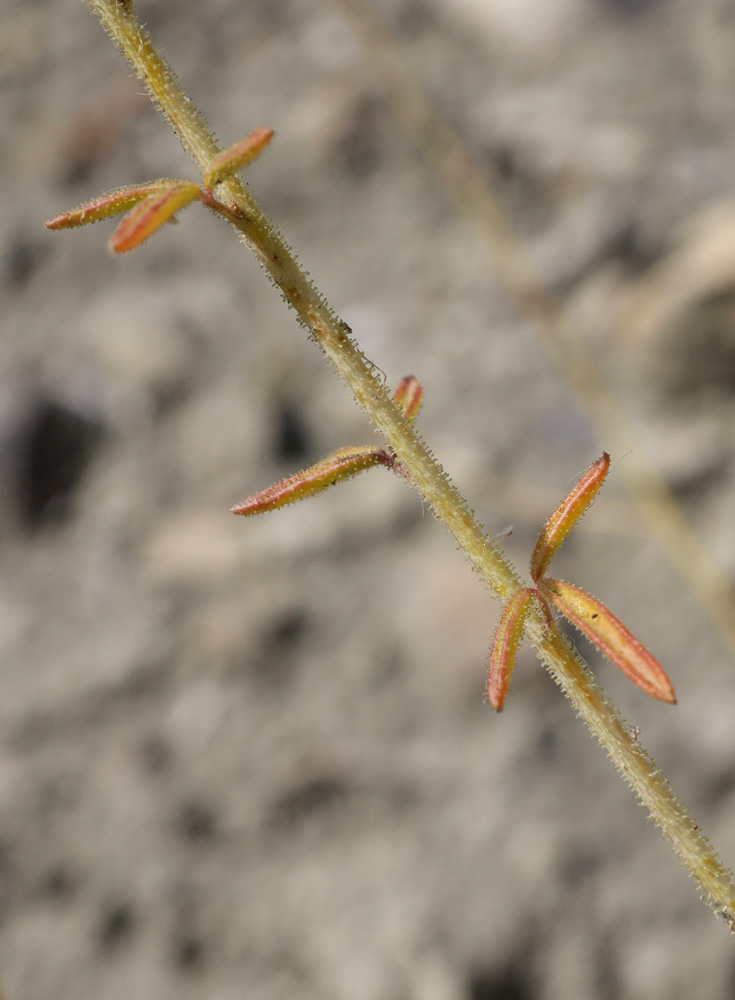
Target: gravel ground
251 758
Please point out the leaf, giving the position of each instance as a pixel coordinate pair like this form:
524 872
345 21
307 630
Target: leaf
112 203
407 398
566 516
340 465
505 646
151 213
235 157
609 634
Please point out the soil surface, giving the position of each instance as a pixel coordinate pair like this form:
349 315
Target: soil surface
250 758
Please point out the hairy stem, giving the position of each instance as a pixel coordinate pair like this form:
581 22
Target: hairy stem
333 336
473 195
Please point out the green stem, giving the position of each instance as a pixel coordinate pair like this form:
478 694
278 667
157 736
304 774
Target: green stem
333 336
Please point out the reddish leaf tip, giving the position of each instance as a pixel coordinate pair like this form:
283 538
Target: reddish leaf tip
505 646
566 516
611 637
408 397
149 214
112 203
233 159
340 465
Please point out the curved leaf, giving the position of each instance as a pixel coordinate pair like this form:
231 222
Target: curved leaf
609 634
505 646
237 156
340 465
566 516
112 203
151 213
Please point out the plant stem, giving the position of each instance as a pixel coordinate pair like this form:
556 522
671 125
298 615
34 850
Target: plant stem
471 190
333 336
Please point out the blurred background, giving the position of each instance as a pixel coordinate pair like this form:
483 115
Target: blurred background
251 758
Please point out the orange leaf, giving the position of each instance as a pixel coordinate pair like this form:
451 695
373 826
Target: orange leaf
609 634
112 203
505 646
235 157
566 516
408 398
340 465
151 213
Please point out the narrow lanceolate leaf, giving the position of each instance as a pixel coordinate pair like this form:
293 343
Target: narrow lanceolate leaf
505 646
112 203
340 465
609 634
151 213
230 160
566 516
407 398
